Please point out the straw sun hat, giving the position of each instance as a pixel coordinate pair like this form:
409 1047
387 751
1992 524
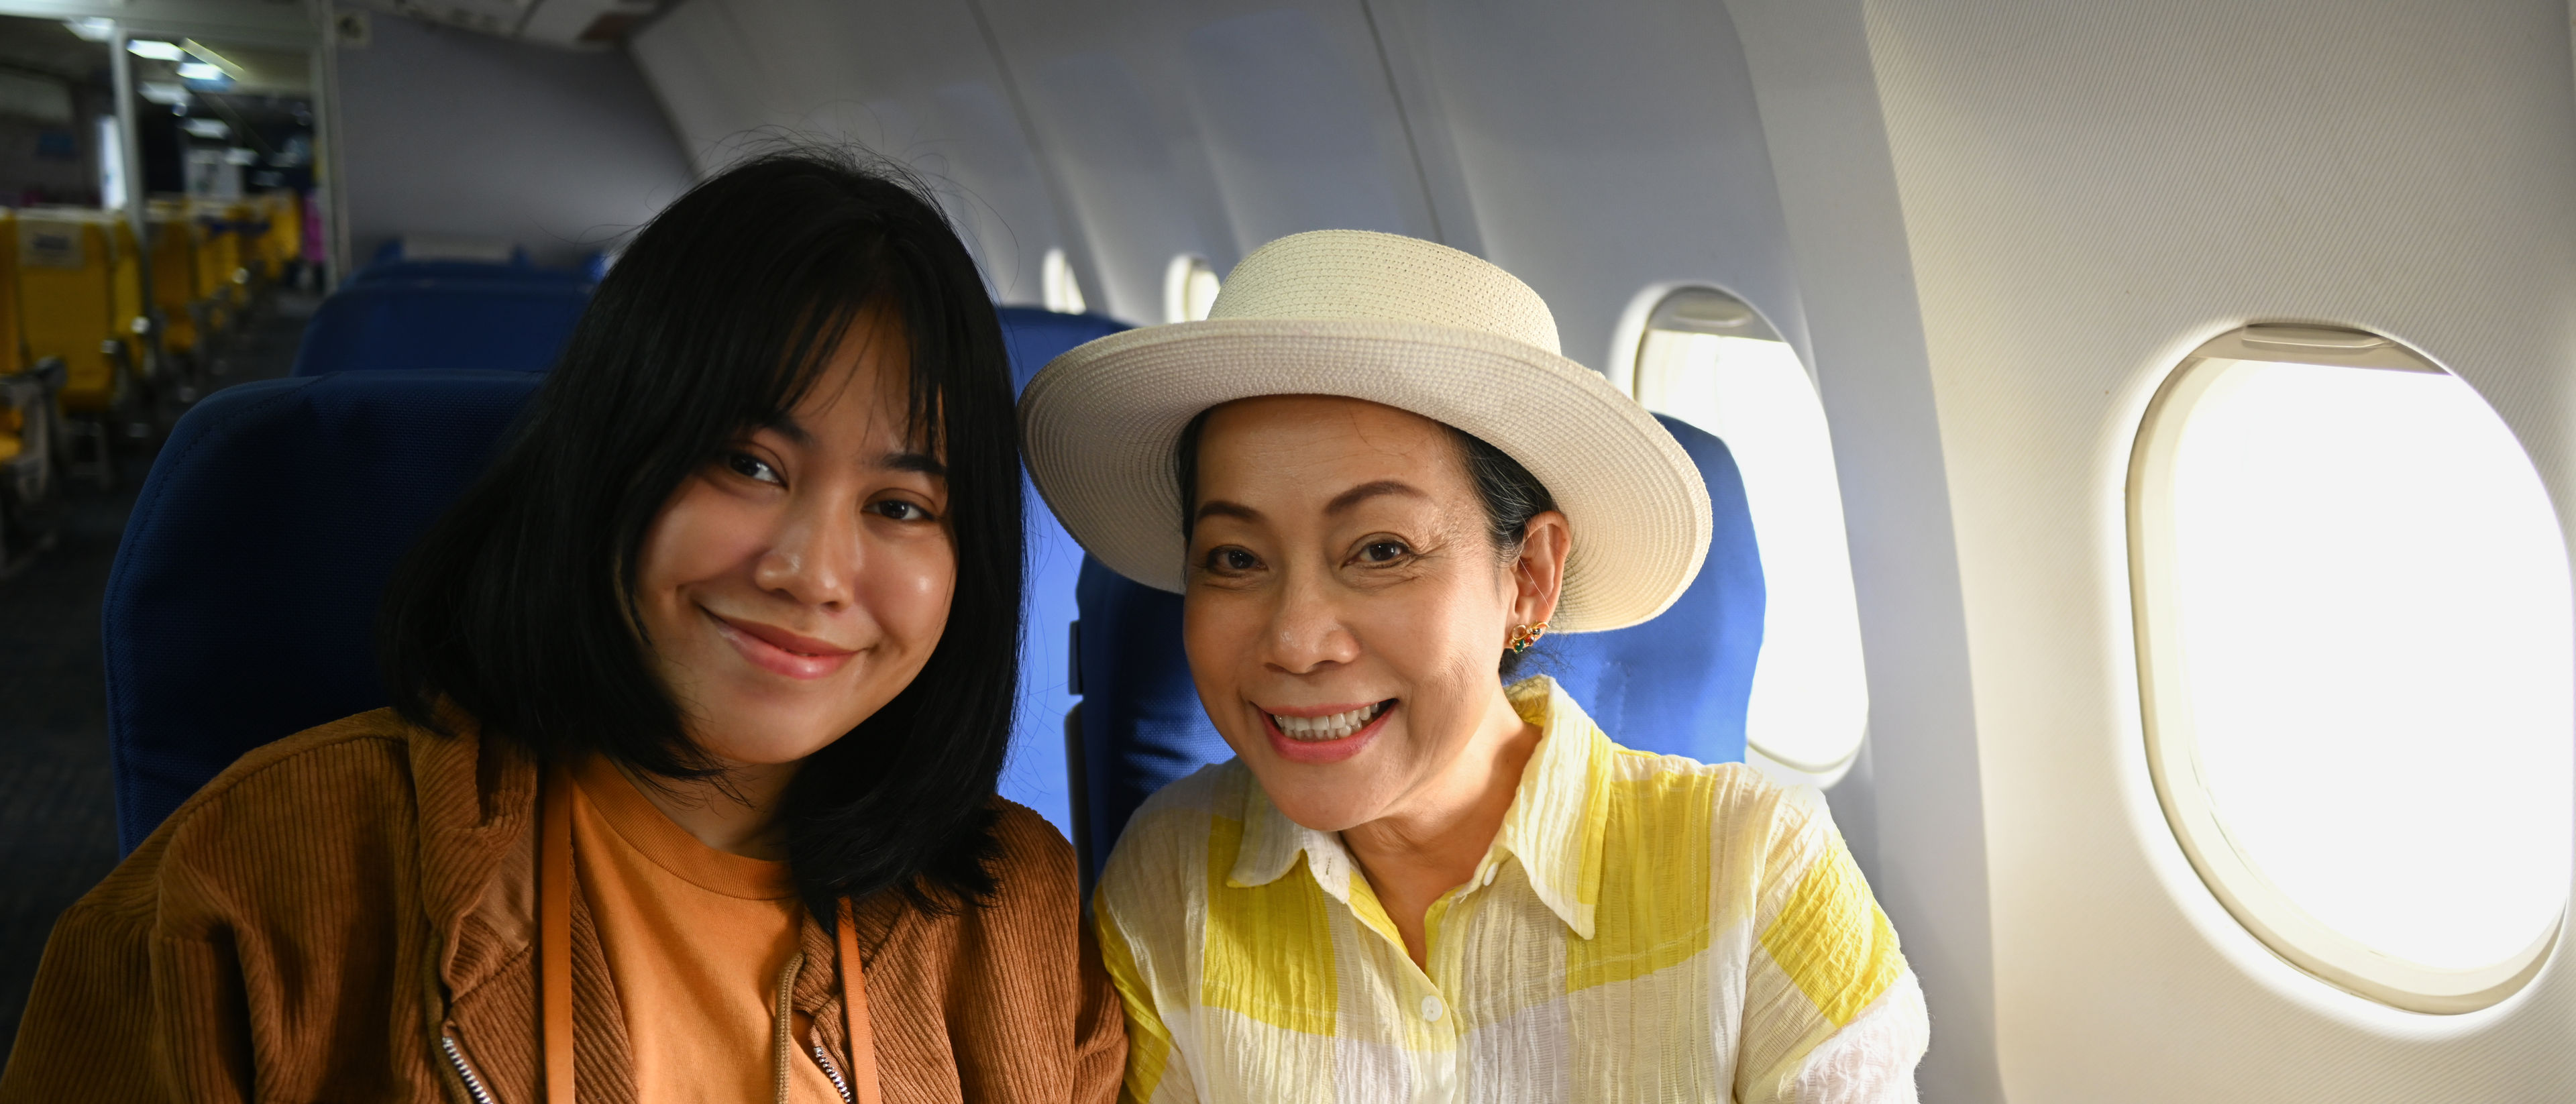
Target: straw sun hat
1392 320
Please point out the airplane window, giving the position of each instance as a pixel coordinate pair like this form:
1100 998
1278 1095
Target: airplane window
1063 293
1709 359
2354 622
1189 289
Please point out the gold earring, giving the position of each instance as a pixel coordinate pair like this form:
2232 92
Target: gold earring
1523 636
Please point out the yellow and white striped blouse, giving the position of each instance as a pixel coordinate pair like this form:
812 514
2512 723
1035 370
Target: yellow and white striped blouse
1644 928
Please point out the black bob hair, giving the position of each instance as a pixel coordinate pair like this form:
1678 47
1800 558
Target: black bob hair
516 607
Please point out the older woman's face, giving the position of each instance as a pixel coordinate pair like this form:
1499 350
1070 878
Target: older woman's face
1345 610
801 580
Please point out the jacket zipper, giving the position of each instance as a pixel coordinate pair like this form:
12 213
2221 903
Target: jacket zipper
823 1058
474 1086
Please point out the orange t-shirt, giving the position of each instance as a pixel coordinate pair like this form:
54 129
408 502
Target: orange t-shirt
696 939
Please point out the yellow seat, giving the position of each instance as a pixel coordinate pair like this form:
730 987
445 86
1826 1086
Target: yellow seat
127 280
283 242
67 301
225 274
174 274
12 343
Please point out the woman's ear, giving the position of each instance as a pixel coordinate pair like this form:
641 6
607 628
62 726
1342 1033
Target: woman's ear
1538 575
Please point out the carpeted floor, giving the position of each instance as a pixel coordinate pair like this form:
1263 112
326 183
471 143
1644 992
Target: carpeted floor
57 808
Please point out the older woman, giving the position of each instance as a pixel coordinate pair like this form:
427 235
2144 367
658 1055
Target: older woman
1414 881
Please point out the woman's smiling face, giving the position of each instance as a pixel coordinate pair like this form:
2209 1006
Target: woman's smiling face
801 580
1345 607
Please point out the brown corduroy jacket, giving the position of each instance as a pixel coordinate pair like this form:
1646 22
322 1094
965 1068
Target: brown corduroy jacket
349 915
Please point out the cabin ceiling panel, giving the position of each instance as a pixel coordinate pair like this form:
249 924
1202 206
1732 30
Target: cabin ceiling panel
1595 150
1104 91
2090 191
699 66
1301 126
1209 129
914 82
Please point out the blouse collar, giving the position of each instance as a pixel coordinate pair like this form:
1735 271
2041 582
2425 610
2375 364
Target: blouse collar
1554 828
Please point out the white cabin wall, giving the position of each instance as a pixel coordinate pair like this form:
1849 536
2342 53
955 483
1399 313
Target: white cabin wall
2089 191
1913 808
1101 85
451 132
1595 151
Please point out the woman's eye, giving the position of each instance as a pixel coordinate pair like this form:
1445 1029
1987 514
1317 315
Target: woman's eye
752 467
900 510
1385 551
1232 560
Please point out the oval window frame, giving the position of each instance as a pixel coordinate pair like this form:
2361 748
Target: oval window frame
2173 763
1702 308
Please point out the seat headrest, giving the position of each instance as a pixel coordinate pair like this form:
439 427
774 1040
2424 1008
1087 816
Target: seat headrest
242 604
518 325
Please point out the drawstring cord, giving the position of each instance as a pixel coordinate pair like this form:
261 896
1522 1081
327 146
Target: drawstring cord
781 1040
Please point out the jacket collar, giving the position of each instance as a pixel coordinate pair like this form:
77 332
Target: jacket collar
1554 829
477 801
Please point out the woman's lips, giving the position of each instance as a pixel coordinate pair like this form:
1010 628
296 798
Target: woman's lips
1323 751
776 649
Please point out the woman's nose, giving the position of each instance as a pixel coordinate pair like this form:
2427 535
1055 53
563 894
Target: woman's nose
815 557
1306 631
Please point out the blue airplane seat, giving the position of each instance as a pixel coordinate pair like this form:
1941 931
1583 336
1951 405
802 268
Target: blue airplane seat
1036 775
408 325
1678 684
241 608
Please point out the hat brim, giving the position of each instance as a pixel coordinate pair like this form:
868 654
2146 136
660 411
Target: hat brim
1099 425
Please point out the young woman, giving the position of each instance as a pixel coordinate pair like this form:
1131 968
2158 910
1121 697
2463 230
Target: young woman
1416 882
700 696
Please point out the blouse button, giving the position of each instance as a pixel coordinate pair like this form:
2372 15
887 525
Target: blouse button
1431 1010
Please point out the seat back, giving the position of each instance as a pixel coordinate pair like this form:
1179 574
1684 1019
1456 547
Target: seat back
409 325
1037 774
64 277
1677 684
242 604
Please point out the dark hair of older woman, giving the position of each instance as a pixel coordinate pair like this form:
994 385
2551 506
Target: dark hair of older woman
699 699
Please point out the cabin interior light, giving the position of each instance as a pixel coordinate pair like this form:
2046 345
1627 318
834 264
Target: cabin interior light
155 49
92 29
199 71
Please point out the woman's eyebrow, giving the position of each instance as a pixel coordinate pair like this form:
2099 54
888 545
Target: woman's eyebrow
785 425
1367 491
1218 507
921 462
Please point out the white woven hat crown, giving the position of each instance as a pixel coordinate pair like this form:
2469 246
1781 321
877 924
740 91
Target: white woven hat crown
1394 320
1356 274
